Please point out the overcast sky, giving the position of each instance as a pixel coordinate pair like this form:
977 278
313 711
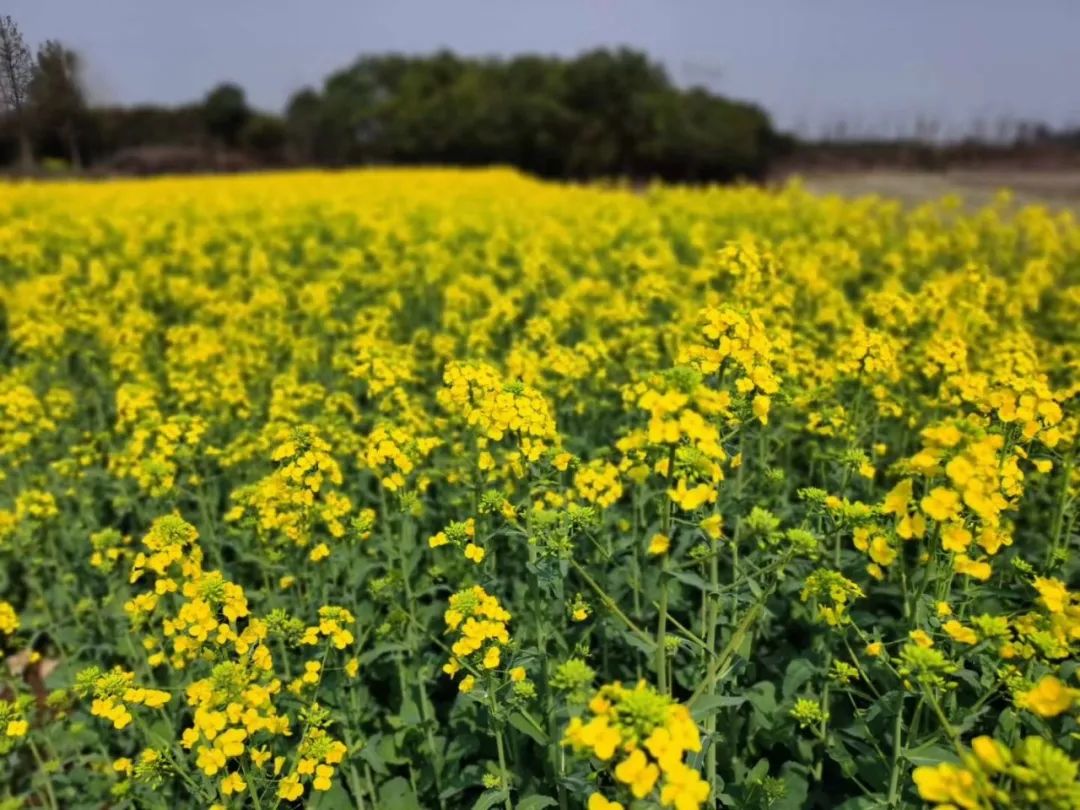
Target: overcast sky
874 64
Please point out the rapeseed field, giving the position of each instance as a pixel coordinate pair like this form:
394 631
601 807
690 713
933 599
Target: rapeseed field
456 489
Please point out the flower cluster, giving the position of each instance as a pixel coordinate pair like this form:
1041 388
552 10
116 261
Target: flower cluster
115 692
494 408
461 535
9 619
738 341
1034 774
289 504
479 622
646 735
14 722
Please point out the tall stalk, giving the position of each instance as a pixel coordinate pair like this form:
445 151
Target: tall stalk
712 611
496 730
660 665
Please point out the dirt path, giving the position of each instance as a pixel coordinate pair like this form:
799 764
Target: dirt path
1058 189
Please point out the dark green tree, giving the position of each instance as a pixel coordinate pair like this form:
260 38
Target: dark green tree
225 112
608 94
264 137
302 122
16 71
57 97
605 113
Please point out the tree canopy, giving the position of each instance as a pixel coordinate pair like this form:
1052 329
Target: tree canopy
605 113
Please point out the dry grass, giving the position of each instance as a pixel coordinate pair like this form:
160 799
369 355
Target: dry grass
1057 189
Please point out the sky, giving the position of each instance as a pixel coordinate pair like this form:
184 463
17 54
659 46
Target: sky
875 66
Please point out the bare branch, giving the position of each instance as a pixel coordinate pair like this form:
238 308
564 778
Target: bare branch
16 67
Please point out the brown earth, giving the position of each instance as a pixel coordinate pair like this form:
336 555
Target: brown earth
1059 189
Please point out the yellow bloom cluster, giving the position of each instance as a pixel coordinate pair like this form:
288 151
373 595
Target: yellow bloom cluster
1034 774
1049 697
393 452
9 619
683 414
736 340
158 449
598 482
494 408
649 735
480 624
319 754
334 623
211 606
14 722
285 505
833 593
114 692
23 416
234 708
462 535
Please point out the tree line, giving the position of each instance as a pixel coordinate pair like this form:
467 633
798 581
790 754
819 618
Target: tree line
39 92
605 113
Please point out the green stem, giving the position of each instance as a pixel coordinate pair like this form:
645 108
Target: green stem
1059 512
499 746
371 785
251 787
711 619
661 629
660 653
946 726
731 647
50 795
403 685
357 788
436 755
898 748
823 729
609 603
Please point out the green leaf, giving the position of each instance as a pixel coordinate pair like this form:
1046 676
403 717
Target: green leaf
970 720
522 724
745 646
398 794
691 579
754 588
535 802
759 771
762 697
798 673
839 754
1007 723
337 798
160 731
642 646
410 713
873 802
489 799
969 677
384 750
930 754
711 704
794 798
379 650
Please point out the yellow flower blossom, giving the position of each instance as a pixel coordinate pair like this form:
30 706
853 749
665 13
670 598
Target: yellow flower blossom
659 544
1048 698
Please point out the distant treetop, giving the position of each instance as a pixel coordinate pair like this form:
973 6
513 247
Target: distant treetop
605 113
